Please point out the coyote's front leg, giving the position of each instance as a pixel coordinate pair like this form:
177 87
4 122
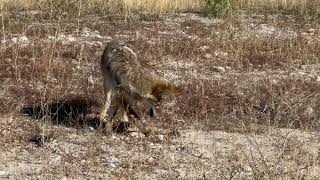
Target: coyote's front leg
106 106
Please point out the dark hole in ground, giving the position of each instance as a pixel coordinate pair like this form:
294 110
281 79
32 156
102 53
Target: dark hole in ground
40 140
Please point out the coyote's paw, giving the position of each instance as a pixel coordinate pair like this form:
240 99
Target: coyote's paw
101 118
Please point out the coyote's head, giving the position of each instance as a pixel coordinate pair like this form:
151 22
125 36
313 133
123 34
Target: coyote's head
158 90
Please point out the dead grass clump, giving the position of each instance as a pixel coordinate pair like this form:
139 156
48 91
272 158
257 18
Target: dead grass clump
210 102
254 51
231 105
280 53
306 7
271 53
13 131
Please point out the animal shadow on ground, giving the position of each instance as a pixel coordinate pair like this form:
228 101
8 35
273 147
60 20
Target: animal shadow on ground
73 112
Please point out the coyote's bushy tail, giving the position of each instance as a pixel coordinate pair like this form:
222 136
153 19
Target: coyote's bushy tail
162 87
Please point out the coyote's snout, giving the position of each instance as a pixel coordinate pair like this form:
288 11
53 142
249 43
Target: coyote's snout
127 83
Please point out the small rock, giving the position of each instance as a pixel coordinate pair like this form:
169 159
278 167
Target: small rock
310 31
3 173
24 39
218 69
274 81
221 69
55 159
182 173
91 128
70 38
137 135
113 137
51 37
150 160
111 165
309 111
207 56
204 49
161 137
90 80
114 160
86 30
155 146
161 172
220 54
14 40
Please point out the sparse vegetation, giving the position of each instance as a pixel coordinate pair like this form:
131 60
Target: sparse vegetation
251 106
128 7
217 7
307 7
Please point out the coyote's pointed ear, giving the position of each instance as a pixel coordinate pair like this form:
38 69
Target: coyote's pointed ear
165 88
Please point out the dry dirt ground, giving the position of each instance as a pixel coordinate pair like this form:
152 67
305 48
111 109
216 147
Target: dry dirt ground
251 106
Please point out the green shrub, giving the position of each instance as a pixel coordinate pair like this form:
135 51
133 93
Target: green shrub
217 7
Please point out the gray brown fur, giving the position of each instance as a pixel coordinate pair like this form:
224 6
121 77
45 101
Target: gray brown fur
129 82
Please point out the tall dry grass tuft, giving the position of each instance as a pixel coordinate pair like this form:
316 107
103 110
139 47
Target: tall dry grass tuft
161 6
124 6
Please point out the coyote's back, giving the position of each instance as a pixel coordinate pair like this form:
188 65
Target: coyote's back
117 61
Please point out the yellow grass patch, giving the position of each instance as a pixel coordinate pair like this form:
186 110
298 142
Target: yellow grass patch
149 6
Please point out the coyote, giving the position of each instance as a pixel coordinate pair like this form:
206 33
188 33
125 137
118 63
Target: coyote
127 83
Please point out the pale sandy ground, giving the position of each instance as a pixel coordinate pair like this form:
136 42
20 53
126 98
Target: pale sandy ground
194 154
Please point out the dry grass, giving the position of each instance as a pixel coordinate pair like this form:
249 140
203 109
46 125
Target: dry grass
249 74
128 7
244 53
59 70
125 6
286 5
